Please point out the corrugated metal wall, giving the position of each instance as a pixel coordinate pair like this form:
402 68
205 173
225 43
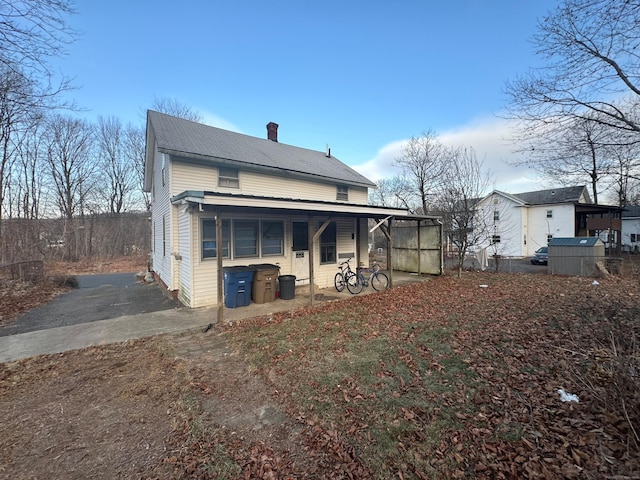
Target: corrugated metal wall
405 248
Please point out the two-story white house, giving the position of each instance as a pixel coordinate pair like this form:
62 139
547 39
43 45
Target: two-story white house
631 229
221 199
518 224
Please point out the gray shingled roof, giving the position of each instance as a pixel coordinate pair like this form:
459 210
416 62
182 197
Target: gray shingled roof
178 136
553 195
631 212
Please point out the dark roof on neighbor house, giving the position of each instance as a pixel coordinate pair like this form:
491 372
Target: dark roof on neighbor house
631 212
177 136
553 195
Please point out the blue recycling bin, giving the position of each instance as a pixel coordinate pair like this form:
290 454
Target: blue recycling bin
237 286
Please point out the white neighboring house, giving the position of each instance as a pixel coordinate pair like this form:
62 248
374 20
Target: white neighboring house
631 229
518 224
256 201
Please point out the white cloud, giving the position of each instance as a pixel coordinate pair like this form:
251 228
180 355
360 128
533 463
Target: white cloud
214 120
488 137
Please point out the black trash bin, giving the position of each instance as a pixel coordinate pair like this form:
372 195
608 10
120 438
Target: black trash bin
237 286
287 287
263 289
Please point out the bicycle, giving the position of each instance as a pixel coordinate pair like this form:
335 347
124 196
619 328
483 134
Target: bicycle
378 280
345 276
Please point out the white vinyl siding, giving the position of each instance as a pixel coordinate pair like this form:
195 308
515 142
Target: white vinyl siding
161 211
184 262
189 176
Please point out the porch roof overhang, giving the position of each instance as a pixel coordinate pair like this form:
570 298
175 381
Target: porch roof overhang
227 202
596 209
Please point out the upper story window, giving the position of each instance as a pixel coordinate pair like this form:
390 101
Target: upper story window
164 170
496 215
342 193
228 177
549 213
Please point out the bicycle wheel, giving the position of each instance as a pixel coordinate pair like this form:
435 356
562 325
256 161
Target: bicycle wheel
338 281
354 284
379 281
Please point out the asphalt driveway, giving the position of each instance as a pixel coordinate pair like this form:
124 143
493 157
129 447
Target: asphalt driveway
99 297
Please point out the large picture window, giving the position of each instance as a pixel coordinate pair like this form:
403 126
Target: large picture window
209 248
272 237
243 238
328 244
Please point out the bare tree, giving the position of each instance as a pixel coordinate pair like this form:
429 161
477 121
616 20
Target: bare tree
393 192
591 54
461 187
69 143
32 32
579 110
118 174
171 106
423 162
134 144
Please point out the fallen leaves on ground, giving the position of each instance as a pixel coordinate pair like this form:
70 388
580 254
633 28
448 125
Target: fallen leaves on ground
520 339
441 379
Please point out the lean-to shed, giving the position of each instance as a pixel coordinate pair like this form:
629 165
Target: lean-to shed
576 256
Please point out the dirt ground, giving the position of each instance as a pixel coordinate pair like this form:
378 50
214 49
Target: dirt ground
121 411
189 406
126 410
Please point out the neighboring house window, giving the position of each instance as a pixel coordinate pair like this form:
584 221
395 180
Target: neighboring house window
164 170
495 239
209 247
272 237
634 237
245 238
328 244
164 236
496 215
549 213
549 237
342 193
228 177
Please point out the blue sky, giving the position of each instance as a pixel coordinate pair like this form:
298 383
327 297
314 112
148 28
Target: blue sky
359 76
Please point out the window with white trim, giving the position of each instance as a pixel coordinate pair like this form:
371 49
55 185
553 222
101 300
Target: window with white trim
245 238
164 170
272 238
164 236
496 215
342 193
209 247
549 213
328 244
549 237
228 177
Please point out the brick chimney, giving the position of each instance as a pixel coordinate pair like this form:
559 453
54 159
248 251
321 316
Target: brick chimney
272 131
